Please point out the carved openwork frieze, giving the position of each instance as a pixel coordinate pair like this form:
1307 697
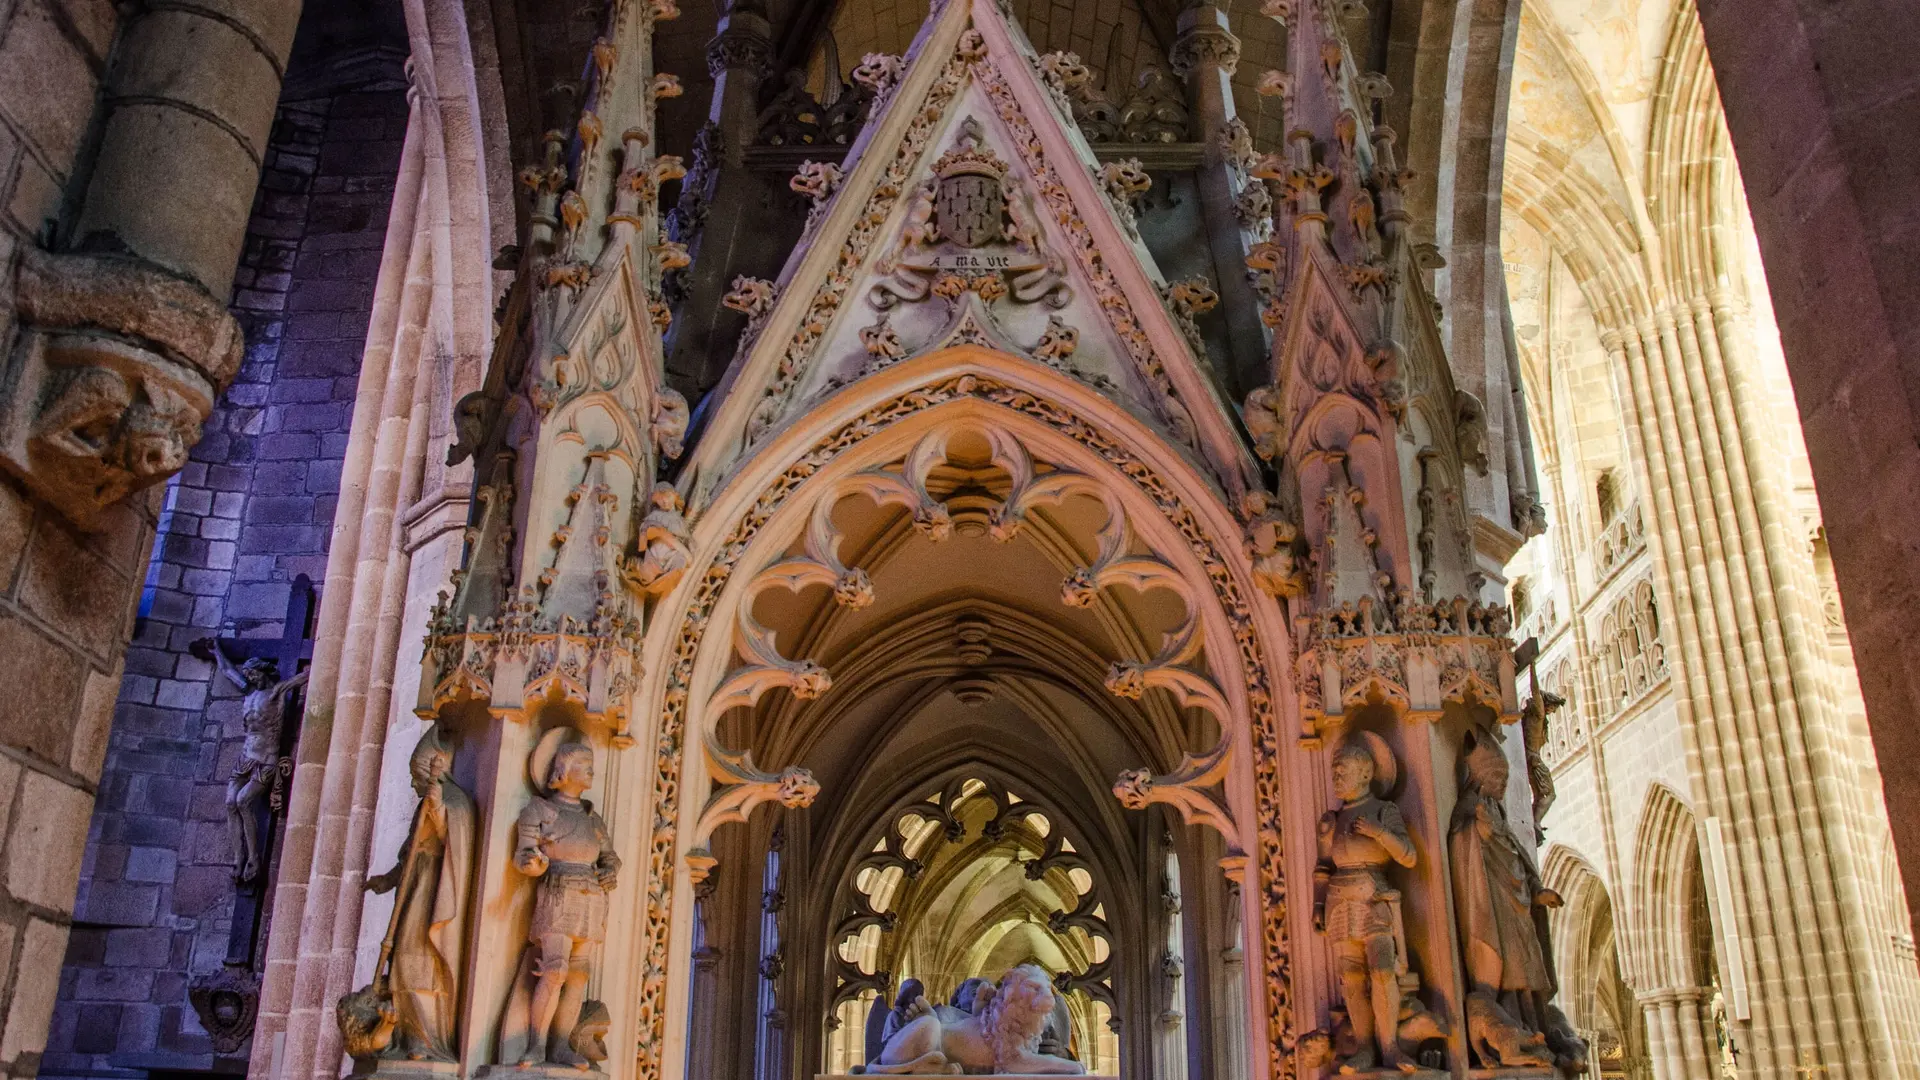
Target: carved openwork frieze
913 834
116 366
1417 658
521 657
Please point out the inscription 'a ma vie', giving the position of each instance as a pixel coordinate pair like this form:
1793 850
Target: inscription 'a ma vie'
973 262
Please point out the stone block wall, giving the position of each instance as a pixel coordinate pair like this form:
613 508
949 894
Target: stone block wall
250 513
66 600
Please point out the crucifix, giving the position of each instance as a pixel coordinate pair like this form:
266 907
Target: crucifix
229 999
256 791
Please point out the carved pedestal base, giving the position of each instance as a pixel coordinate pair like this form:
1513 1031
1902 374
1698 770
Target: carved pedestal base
1523 1072
536 1072
402 1069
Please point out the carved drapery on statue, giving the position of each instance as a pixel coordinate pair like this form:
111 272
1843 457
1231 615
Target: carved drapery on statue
1000 1035
1358 908
409 1011
1501 905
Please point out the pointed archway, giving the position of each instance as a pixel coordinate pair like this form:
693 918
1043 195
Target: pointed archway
979 487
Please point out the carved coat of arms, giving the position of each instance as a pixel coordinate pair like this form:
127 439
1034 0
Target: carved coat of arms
970 228
971 208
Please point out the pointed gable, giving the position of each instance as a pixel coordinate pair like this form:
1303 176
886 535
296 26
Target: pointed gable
971 202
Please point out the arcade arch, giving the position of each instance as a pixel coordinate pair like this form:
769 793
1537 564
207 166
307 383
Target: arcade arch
1593 991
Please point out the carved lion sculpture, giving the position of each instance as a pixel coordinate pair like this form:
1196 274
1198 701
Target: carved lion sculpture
1568 1048
1002 1036
366 1019
1498 1038
589 1037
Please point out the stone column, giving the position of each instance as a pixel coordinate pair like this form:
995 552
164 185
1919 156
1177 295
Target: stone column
1752 678
1170 971
122 342
1673 1060
124 326
1819 99
1693 1051
1468 165
1206 54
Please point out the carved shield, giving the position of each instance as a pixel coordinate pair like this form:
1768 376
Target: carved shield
970 209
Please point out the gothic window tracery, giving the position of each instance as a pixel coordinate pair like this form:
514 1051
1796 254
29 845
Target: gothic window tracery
1566 726
1631 656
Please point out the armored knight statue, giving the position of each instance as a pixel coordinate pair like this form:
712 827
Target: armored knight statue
562 841
1001 1036
1502 911
263 715
417 976
1357 909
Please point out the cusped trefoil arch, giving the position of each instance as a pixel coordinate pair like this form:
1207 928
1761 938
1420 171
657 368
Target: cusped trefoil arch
1012 395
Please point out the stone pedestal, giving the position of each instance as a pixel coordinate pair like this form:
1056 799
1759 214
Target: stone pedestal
401 1069
537 1072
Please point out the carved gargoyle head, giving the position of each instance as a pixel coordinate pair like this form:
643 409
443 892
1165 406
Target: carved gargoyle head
101 434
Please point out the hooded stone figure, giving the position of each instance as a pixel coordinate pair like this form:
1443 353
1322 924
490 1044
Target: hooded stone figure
1498 894
433 879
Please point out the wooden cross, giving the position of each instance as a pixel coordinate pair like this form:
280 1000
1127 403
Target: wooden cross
293 649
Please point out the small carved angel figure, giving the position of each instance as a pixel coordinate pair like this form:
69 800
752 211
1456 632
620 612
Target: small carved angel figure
665 542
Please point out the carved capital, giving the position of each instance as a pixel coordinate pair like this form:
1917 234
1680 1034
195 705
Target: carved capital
116 366
740 49
1204 47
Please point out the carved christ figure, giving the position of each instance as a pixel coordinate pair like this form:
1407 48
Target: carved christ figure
263 718
562 841
1358 910
1498 895
427 933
